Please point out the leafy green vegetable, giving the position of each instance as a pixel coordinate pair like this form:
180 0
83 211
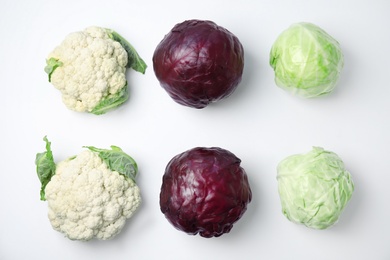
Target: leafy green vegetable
117 160
134 60
46 167
314 188
111 101
307 61
51 65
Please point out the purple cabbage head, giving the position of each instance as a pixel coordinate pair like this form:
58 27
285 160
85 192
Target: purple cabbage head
205 191
199 62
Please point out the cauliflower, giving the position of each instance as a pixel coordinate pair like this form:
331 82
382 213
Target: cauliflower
89 195
89 69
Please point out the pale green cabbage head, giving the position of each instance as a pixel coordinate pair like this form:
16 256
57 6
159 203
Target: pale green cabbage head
307 61
314 188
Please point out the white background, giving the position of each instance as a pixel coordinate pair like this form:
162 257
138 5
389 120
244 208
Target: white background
260 123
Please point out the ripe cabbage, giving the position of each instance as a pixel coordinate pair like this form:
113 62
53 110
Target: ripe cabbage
307 61
205 191
199 62
314 188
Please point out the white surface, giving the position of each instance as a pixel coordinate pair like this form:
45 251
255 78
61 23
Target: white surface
260 123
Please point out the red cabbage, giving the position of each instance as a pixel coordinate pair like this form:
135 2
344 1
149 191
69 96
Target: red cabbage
205 191
199 62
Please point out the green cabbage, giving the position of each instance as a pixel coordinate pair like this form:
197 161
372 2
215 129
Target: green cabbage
307 61
314 188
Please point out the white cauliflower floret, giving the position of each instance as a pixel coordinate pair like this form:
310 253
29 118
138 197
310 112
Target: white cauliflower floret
93 67
88 200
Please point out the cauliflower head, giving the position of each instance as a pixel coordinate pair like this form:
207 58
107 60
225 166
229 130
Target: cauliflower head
88 199
89 69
